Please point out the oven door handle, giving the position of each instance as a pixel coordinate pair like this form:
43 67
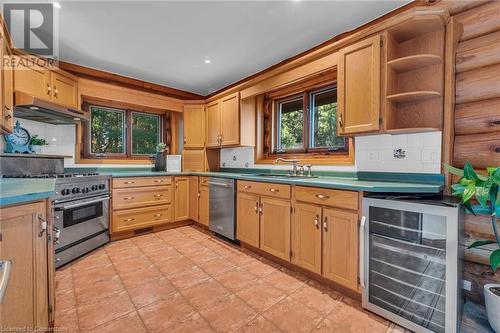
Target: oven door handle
83 203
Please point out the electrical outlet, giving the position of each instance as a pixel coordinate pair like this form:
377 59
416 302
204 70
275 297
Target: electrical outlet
466 285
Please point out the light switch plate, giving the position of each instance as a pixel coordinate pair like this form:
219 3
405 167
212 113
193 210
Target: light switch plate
466 285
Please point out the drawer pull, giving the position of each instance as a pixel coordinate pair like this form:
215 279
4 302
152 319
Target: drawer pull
322 196
158 180
129 182
128 198
158 215
274 190
256 207
128 220
158 195
247 187
316 221
325 223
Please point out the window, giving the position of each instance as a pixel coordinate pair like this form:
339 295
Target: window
308 123
123 133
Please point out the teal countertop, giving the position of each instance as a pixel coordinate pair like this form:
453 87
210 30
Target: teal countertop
21 190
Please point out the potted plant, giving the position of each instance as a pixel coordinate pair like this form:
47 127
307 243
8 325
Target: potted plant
485 189
37 143
160 162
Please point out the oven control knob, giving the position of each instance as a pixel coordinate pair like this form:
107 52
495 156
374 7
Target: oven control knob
102 186
65 191
94 187
75 190
85 190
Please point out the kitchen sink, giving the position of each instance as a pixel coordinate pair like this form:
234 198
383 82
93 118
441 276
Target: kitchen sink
285 176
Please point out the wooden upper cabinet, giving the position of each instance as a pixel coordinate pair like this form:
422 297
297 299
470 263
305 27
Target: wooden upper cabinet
181 198
64 90
247 218
358 84
34 81
194 126
340 247
307 237
213 124
24 243
230 120
193 198
7 88
275 227
193 160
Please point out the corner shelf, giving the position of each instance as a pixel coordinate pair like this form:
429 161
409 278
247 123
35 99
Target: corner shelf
409 63
413 96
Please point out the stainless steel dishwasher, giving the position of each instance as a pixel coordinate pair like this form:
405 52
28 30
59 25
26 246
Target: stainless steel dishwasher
221 207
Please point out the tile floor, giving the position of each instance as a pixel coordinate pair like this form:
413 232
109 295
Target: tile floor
183 280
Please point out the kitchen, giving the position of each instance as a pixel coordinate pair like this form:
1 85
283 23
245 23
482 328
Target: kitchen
323 184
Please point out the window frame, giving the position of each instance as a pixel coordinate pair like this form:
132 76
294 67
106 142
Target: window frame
87 153
308 132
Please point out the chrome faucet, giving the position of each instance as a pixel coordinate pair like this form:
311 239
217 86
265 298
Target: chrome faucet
295 165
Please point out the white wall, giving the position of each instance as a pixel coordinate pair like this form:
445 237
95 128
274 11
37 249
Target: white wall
372 153
62 140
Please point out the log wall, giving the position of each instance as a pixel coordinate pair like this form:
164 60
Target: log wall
477 123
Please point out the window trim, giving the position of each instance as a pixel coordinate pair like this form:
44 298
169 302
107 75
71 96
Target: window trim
307 134
86 156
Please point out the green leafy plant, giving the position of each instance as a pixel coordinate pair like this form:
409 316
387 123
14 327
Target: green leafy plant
36 141
485 190
160 148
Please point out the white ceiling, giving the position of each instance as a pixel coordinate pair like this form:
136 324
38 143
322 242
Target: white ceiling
167 42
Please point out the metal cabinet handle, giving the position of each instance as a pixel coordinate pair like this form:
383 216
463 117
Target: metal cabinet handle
274 190
316 221
325 223
6 108
8 116
128 198
246 187
57 235
159 180
129 182
55 91
158 215
49 89
43 225
184 139
4 279
322 196
256 207
341 122
128 220
261 209
198 194
158 195
362 252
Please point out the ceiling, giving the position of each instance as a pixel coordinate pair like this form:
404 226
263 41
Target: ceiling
167 42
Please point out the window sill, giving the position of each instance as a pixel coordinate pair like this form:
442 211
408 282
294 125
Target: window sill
344 159
112 161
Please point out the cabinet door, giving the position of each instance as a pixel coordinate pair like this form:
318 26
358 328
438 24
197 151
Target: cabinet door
25 303
64 90
359 87
230 120
340 247
193 198
247 218
213 124
306 231
194 126
193 160
275 227
34 81
7 97
181 198
203 209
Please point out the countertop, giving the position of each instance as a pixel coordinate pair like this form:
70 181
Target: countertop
20 190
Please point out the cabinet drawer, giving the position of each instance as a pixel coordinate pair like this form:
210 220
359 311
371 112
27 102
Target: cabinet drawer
130 219
141 196
141 181
204 181
267 189
327 197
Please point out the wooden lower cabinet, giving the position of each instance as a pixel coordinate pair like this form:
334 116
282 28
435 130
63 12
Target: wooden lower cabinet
247 218
24 243
275 227
193 198
181 198
340 247
307 237
203 205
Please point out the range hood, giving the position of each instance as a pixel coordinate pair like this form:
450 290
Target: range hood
37 109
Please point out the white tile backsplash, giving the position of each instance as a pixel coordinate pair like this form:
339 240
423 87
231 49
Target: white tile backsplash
422 152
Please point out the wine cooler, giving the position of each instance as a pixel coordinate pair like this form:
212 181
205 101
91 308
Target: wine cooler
411 263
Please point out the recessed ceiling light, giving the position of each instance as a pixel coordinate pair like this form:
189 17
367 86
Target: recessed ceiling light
207 61
56 4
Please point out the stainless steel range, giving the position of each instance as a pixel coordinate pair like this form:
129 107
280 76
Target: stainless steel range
80 204
81 215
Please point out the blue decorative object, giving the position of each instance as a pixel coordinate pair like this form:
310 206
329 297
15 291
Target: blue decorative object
18 141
